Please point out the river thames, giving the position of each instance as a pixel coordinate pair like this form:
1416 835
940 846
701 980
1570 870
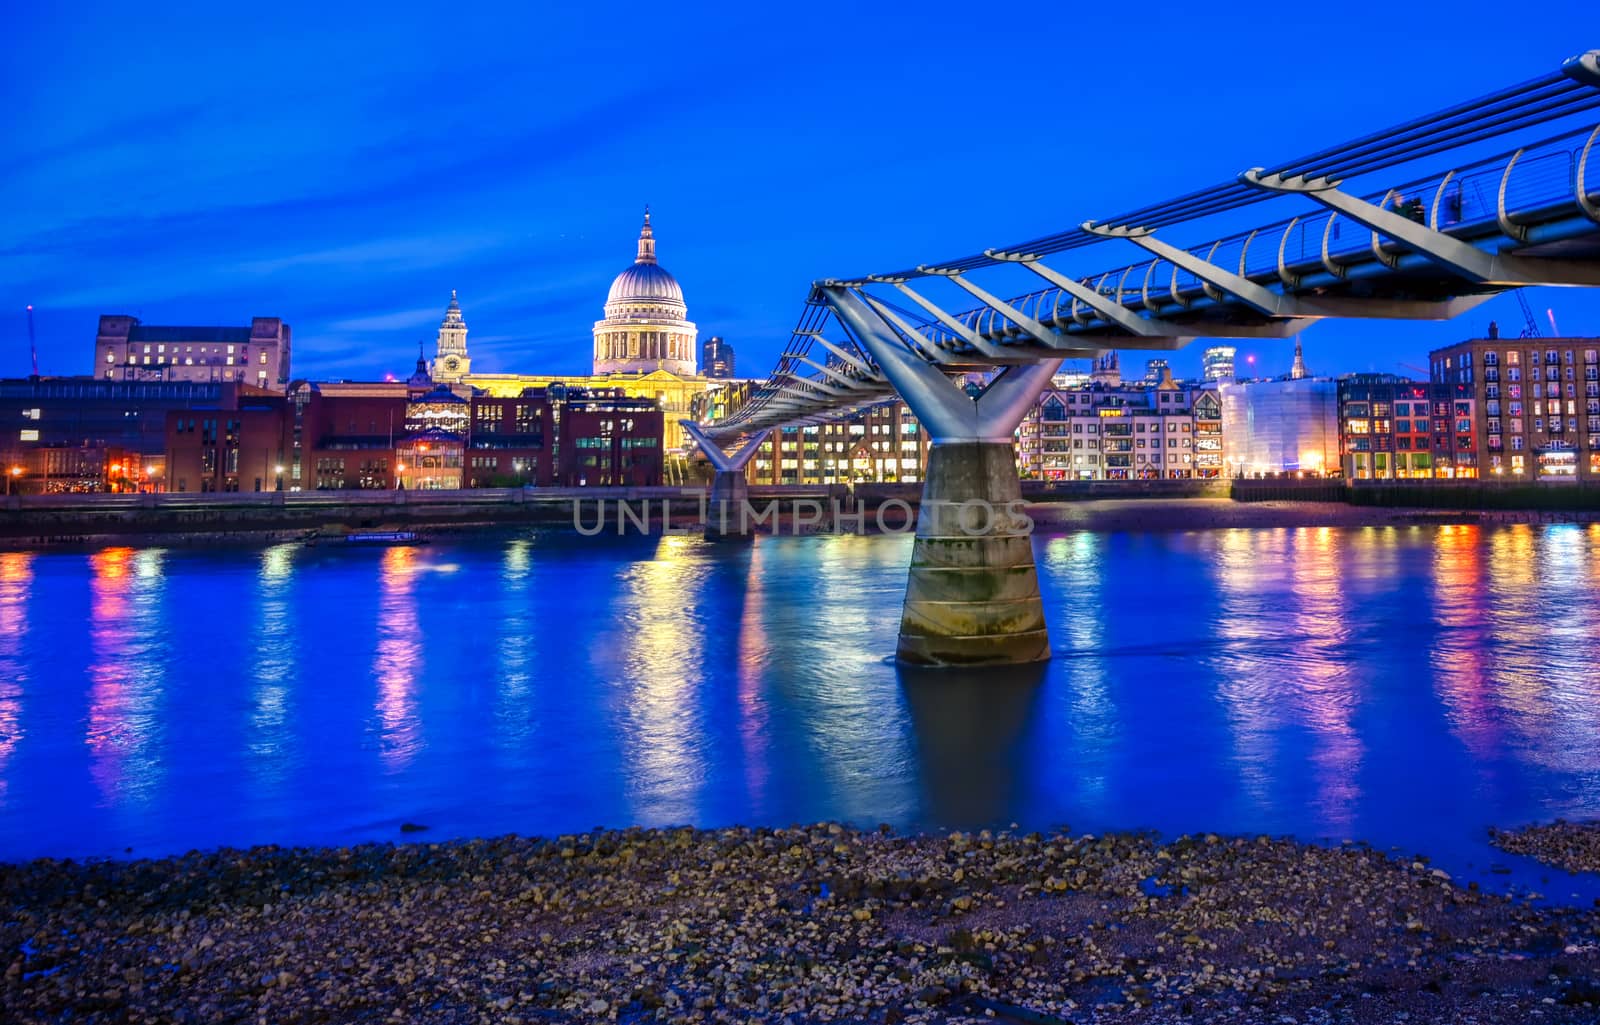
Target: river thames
1404 686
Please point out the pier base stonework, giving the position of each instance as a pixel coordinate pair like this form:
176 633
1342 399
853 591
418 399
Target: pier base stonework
726 506
972 597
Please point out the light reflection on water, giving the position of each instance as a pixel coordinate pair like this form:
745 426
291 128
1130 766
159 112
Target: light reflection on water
400 659
129 655
1405 686
16 574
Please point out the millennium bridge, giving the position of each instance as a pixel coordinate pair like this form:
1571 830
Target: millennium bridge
1426 248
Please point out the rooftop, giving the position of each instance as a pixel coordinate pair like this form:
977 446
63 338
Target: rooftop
153 333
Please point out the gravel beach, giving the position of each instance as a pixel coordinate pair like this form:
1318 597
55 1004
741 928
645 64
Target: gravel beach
1573 846
792 925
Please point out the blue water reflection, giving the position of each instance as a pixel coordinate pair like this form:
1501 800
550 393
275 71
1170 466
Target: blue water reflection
1407 686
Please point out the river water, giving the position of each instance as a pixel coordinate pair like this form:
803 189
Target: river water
1404 686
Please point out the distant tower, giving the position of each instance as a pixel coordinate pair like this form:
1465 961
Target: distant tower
422 380
1107 371
1218 363
716 358
1154 369
1298 371
451 362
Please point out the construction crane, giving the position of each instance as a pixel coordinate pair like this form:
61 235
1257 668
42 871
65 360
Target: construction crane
33 349
1531 330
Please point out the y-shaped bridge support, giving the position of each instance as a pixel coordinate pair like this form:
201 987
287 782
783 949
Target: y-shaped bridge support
972 596
730 492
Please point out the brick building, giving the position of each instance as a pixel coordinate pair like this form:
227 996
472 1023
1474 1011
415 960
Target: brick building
81 434
412 435
603 436
1535 409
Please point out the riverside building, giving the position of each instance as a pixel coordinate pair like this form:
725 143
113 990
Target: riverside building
86 434
413 435
258 355
1534 407
1392 428
1111 431
1286 426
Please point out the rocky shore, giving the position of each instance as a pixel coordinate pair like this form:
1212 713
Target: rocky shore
1573 846
792 925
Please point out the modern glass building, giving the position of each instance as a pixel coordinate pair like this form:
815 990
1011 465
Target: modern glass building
1283 426
1217 362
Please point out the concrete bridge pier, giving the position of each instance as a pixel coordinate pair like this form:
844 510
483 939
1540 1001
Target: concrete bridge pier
972 593
728 498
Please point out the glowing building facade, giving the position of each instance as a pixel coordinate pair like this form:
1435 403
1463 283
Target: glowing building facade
1217 363
1123 432
1277 427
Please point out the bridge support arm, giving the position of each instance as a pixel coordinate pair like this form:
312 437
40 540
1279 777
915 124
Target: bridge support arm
1474 264
1272 304
1151 333
721 461
1263 299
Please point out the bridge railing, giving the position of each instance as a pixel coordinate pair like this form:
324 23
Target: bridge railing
1540 184
1538 187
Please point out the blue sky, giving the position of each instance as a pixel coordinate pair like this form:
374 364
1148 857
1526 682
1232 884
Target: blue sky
345 166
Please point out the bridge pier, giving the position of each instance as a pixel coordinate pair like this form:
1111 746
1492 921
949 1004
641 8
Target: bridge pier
728 497
972 591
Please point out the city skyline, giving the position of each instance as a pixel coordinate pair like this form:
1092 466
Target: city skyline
135 195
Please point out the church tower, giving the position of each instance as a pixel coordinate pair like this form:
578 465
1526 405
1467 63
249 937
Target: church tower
451 362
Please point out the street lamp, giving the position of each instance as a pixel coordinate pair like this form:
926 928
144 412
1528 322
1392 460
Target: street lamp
279 471
116 470
16 472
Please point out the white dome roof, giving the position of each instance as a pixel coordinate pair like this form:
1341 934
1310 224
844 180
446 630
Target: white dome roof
646 283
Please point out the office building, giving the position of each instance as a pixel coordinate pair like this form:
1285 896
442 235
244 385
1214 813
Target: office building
1217 363
716 359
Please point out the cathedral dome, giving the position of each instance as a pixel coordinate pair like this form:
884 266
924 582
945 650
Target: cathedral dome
646 326
646 283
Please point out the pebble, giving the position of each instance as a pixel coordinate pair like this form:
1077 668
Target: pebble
802 924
